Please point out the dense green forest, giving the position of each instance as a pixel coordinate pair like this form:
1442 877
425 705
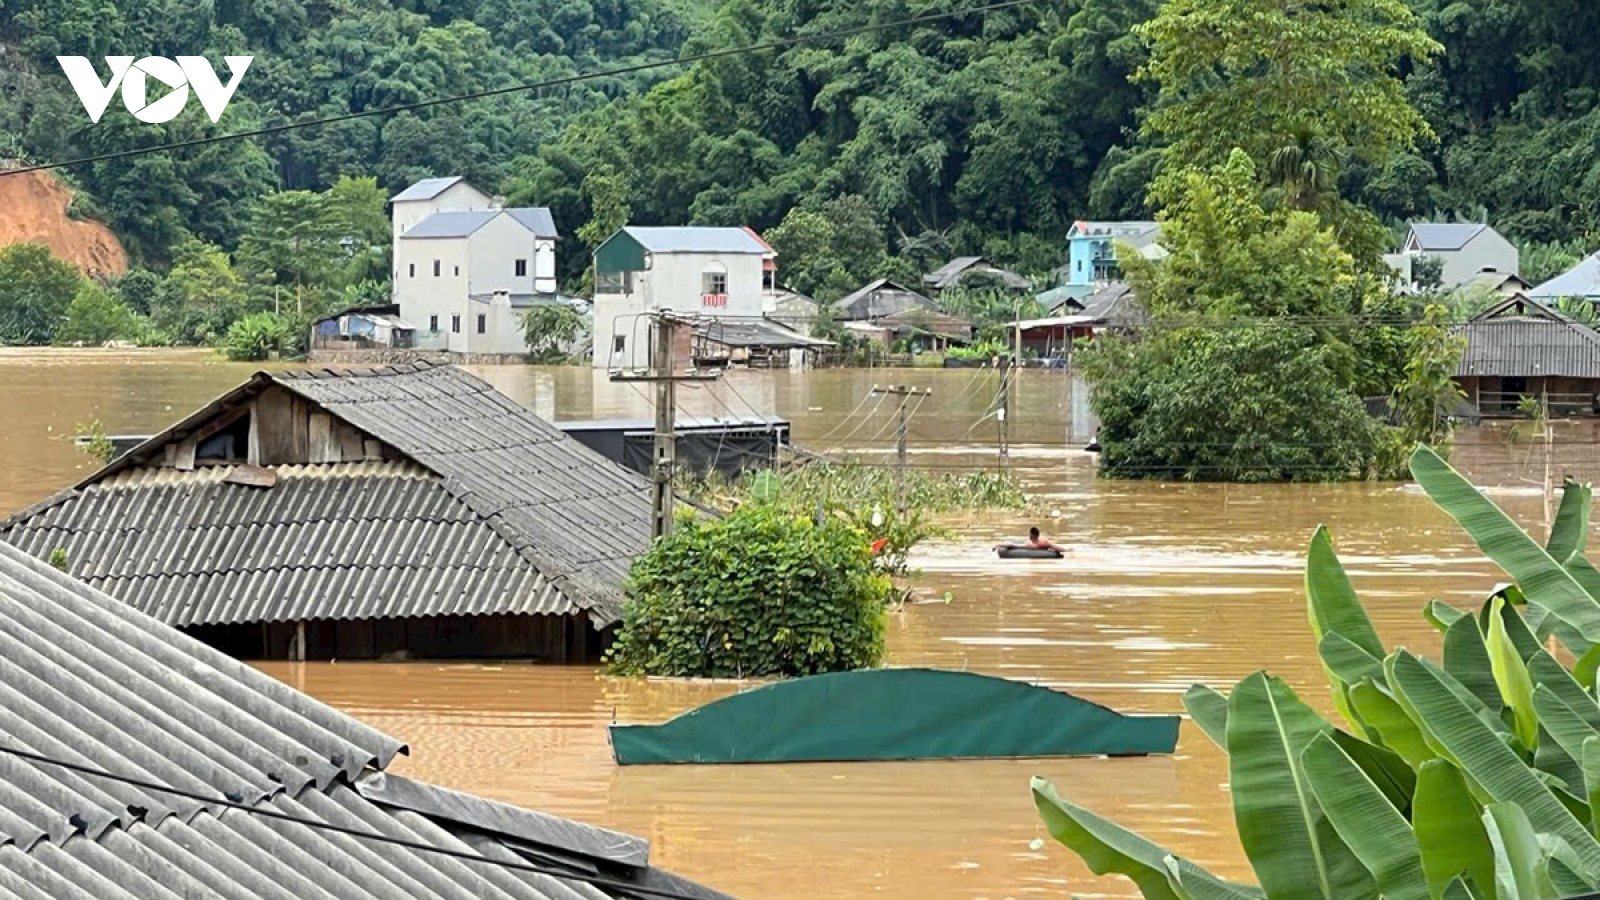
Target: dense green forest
876 155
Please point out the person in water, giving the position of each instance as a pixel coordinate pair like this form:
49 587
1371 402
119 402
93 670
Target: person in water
1036 541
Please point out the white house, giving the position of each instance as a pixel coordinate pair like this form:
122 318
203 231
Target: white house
1465 251
724 274
466 268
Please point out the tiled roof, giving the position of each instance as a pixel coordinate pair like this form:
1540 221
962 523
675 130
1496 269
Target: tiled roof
426 189
88 680
1519 339
953 272
512 517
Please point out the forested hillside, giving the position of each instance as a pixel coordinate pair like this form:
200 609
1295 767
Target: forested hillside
986 133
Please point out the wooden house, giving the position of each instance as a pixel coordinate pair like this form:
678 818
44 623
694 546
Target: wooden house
1521 348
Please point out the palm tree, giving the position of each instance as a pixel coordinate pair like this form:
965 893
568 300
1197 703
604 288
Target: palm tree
1306 167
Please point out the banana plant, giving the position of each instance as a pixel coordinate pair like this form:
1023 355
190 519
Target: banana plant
1476 777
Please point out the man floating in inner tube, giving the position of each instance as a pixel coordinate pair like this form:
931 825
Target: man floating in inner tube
1035 542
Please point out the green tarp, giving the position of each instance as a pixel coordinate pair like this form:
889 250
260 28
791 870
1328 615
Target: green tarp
893 714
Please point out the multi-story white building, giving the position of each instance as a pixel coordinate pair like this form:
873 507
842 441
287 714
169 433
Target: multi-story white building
722 274
466 268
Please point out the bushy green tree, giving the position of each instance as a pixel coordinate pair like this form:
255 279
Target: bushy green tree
260 336
96 316
201 297
763 591
35 291
549 331
829 251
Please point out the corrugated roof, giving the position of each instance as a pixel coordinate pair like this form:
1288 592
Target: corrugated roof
751 333
878 299
462 223
1582 280
1444 236
956 270
89 680
696 239
1137 233
1529 346
426 189
516 517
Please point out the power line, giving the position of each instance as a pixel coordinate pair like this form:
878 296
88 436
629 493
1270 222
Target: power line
534 86
378 837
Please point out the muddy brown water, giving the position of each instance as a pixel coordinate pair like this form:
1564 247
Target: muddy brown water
1166 585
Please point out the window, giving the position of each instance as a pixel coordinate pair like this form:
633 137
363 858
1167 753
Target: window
769 279
615 283
1080 265
483 323
715 282
522 268
436 268
618 343
433 323
413 271
455 324
458 271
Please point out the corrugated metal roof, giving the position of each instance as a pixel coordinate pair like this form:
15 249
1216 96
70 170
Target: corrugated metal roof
1529 346
89 680
878 299
515 518
956 270
696 239
752 333
462 223
1582 280
1444 235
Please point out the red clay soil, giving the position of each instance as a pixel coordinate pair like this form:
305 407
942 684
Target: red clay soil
33 209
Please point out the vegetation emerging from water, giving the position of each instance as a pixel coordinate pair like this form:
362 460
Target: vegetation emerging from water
763 591
859 486
1474 777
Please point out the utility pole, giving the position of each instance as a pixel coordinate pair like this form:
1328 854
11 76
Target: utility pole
905 393
664 461
1002 412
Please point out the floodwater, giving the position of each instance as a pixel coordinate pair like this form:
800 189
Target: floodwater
1166 585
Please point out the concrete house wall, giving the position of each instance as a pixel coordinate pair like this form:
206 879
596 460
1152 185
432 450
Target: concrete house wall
1486 250
428 301
671 280
407 213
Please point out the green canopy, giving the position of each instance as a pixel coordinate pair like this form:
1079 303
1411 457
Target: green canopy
893 714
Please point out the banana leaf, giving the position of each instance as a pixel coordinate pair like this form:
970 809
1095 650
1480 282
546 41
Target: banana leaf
1543 579
1588 576
1458 890
1385 768
1367 820
1442 615
1589 761
1511 676
1561 868
1388 722
1472 744
1105 847
1449 829
1569 729
1517 857
1336 610
1588 665
1346 661
1466 658
1522 637
1198 884
1209 710
1294 849
1569 533
1543 669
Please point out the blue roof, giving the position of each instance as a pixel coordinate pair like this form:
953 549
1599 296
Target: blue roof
461 223
1582 280
426 189
696 239
1445 235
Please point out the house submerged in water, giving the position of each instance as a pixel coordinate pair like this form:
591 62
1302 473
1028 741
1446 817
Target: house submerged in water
400 511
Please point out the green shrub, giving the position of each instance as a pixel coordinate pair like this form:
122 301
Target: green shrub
257 337
761 592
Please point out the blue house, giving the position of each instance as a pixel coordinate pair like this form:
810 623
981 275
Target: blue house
1092 255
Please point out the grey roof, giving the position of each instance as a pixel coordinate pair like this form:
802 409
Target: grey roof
1445 236
493 510
426 189
752 333
878 299
89 680
1114 304
520 300
953 272
1518 338
462 223
1582 280
696 239
1137 233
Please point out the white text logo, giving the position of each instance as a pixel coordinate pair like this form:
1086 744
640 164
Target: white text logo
134 79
